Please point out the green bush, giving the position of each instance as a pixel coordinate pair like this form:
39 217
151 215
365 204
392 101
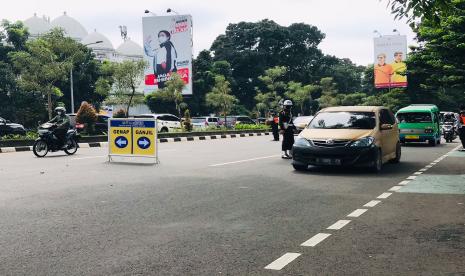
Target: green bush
30 135
251 127
187 124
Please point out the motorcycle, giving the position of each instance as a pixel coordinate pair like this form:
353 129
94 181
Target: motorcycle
449 131
48 142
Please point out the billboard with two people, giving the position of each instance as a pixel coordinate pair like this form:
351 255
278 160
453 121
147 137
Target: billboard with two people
167 50
390 68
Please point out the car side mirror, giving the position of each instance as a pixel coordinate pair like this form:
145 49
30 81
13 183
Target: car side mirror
386 126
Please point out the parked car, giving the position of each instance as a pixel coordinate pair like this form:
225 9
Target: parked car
165 122
7 127
301 123
231 121
349 136
260 120
419 123
101 125
204 122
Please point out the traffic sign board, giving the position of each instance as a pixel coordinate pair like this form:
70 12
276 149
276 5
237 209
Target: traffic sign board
121 142
132 137
143 142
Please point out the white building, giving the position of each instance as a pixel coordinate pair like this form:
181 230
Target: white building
104 50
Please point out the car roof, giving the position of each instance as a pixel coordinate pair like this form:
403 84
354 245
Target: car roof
352 108
419 108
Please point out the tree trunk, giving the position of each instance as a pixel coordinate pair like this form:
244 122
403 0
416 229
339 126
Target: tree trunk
49 105
130 101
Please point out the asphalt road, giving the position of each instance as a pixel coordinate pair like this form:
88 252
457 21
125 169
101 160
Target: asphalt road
230 207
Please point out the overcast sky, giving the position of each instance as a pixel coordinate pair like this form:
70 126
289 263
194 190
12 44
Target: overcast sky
348 24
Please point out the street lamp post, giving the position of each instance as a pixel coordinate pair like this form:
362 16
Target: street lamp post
71 80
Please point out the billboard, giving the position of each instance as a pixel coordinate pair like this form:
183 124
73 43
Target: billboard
167 50
390 54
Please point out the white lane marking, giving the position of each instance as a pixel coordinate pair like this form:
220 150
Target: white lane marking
412 177
405 182
242 161
428 166
384 195
357 213
395 188
423 170
372 203
90 157
418 173
313 241
339 224
282 261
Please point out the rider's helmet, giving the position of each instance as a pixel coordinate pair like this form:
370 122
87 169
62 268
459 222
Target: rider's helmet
60 110
287 104
449 117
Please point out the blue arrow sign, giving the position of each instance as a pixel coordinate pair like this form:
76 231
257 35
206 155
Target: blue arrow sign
121 142
143 142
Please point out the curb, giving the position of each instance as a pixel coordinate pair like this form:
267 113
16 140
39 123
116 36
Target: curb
160 140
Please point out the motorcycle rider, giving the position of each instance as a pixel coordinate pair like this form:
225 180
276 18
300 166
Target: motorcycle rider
61 120
286 127
462 126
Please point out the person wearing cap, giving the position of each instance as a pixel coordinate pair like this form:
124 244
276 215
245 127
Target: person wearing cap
286 127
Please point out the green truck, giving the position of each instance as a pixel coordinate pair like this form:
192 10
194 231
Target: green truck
419 123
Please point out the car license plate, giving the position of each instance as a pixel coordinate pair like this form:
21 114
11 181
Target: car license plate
412 137
329 161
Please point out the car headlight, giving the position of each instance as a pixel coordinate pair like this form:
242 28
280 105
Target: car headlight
302 142
363 142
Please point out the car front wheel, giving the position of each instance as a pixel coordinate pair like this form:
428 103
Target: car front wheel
378 162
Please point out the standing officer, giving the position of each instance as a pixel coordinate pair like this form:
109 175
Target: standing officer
286 126
273 121
462 126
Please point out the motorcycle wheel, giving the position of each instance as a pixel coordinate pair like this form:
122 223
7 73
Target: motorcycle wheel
40 148
71 147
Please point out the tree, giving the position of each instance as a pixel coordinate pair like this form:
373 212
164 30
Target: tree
330 96
251 48
40 68
127 77
87 115
219 98
436 70
273 89
301 94
414 9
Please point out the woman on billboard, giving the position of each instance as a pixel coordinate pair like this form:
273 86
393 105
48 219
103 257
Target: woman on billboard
164 57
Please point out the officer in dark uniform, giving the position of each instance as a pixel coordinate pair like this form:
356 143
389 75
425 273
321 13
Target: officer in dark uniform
286 127
273 121
462 126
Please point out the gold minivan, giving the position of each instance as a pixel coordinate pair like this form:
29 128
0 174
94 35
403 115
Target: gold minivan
349 136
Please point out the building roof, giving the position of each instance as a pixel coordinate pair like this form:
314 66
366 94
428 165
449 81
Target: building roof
130 48
37 25
94 37
71 26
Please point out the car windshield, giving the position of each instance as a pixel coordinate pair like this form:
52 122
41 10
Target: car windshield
414 117
344 120
198 120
